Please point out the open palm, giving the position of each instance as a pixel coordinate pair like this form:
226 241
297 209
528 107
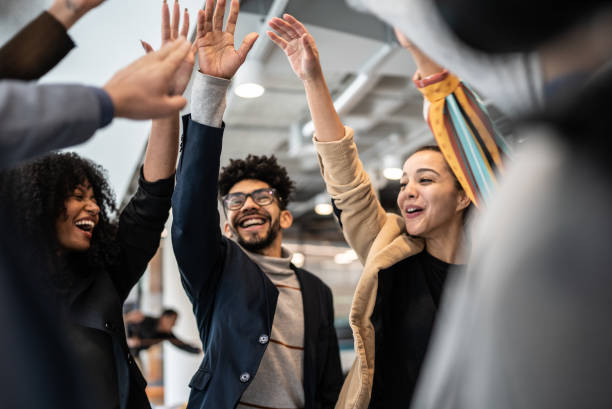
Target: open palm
216 53
297 44
169 33
217 56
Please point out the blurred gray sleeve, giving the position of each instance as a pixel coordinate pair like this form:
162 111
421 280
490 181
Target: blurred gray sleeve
35 119
513 82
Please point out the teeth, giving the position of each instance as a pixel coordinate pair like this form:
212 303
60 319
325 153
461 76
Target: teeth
85 224
413 209
252 222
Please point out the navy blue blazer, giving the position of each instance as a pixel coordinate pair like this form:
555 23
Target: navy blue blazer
233 300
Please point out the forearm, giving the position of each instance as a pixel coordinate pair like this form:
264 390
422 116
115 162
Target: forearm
35 49
66 12
360 212
162 149
140 227
327 123
184 345
196 233
35 119
425 65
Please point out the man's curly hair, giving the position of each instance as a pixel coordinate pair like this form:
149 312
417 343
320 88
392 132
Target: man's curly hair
262 168
36 192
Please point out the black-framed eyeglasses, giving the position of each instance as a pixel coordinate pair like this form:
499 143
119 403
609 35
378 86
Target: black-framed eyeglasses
263 197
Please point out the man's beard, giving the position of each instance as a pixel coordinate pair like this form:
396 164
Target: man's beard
260 243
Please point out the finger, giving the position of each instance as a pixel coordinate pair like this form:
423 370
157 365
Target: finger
147 47
277 40
170 48
233 17
200 24
217 23
309 45
176 17
175 57
170 104
185 27
275 23
246 45
208 13
286 27
296 24
165 25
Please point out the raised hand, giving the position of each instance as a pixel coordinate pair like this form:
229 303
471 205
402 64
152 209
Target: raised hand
425 65
299 46
170 32
216 53
140 90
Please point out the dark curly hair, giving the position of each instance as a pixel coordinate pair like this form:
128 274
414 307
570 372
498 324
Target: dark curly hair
36 193
261 168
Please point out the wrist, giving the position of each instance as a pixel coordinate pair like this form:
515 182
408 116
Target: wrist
116 100
422 81
66 13
315 80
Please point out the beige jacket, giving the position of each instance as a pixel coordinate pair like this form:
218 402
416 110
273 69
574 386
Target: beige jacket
380 241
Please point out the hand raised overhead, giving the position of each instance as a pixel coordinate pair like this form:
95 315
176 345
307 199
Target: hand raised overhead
140 90
170 32
216 53
299 46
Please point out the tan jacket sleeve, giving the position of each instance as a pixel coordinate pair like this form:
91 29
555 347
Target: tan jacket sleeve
361 214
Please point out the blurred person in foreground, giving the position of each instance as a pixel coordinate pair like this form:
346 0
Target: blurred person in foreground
44 41
267 327
35 119
528 326
518 80
63 205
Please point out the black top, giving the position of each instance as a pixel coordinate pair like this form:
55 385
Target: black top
406 305
94 298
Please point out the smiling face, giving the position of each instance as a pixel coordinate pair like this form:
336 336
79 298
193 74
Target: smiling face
75 226
257 227
429 200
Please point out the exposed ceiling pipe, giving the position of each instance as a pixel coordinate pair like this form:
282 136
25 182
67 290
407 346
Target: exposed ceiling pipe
366 80
262 46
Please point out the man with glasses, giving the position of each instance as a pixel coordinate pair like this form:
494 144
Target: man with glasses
266 326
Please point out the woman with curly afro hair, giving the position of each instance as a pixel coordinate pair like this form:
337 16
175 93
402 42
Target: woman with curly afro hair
47 190
92 258
66 212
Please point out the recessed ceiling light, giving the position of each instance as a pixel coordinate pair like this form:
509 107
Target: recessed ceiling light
392 173
249 90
